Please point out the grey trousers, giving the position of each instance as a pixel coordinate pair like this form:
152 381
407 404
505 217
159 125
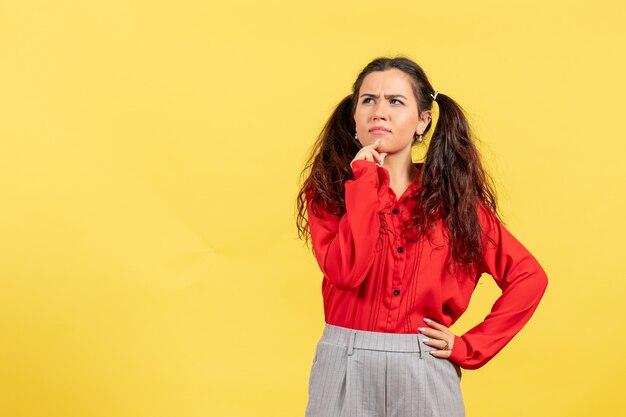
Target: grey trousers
357 373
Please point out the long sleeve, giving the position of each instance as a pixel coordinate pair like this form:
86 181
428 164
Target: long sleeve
523 283
344 247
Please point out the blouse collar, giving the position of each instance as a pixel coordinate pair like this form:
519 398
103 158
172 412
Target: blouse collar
385 182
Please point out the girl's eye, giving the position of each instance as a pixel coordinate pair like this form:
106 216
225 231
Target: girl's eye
393 99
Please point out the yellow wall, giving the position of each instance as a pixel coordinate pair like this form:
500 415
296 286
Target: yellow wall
150 154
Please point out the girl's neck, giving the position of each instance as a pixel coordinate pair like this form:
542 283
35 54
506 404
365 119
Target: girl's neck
402 171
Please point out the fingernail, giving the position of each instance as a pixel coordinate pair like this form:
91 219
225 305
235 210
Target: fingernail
378 140
421 329
427 320
426 340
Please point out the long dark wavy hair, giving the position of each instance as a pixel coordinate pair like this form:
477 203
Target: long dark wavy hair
453 182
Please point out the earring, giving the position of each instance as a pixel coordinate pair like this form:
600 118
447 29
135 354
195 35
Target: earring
356 141
419 138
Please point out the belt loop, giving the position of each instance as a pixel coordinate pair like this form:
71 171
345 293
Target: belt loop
419 345
351 342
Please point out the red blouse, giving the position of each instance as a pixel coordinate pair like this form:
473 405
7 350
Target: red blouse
377 280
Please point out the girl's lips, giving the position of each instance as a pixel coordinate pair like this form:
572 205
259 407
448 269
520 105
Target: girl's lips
379 132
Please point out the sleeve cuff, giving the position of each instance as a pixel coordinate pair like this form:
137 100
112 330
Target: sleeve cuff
360 166
459 351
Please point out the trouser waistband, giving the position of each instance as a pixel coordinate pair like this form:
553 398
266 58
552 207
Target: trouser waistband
363 339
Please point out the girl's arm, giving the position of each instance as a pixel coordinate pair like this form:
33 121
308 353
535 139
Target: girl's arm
523 283
345 247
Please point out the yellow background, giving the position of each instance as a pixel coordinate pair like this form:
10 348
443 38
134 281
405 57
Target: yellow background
150 158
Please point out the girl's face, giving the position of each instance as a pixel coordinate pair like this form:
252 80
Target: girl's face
386 100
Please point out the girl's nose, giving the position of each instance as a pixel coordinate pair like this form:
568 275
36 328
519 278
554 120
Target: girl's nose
380 109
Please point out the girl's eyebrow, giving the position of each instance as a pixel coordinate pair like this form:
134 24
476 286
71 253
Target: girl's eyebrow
386 96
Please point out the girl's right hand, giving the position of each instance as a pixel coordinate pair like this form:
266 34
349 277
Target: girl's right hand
369 153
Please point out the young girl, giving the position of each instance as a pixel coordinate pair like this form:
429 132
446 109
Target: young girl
401 246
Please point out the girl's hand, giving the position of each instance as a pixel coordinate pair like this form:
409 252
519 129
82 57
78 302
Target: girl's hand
369 153
437 337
